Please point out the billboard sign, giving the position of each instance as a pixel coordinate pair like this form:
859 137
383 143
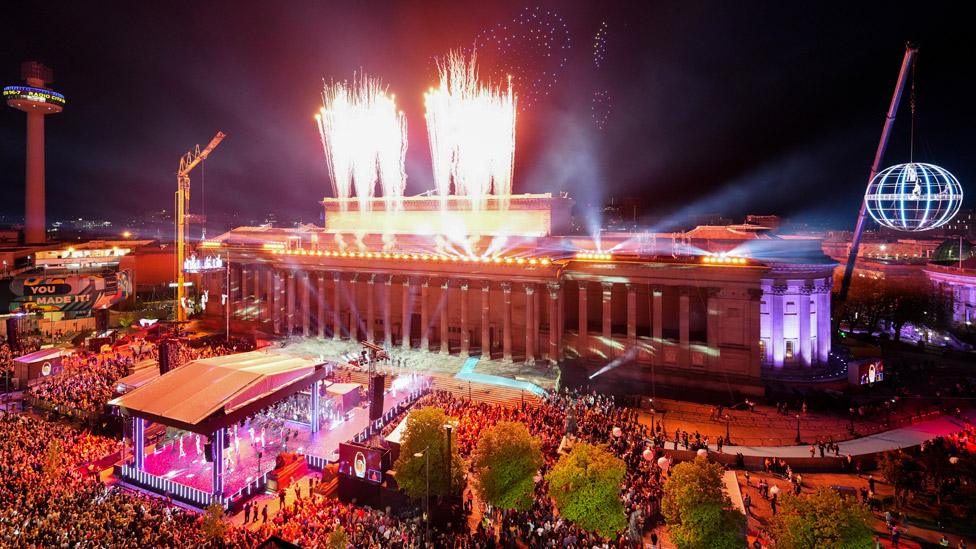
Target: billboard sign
73 295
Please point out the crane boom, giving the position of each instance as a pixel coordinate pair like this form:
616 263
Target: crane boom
191 159
906 63
187 163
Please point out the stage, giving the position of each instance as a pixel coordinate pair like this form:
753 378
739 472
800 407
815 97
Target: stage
243 465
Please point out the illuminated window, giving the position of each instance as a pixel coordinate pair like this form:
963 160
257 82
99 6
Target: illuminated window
763 356
789 349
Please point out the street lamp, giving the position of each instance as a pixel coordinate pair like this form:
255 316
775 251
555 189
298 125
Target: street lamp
426 455
449 428
797 428
728 437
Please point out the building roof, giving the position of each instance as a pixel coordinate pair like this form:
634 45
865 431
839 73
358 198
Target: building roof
192 394
40 356
728 232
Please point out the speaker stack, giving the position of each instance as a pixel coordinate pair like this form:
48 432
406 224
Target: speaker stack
376 383
168 350
101 320
13 335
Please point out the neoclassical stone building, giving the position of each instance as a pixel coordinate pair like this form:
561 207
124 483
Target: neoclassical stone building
661 301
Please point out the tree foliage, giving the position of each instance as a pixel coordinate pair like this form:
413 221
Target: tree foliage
212 523
902 472
505 462
585 486
338 539
696 509
821 519
425 433
896 303
53 457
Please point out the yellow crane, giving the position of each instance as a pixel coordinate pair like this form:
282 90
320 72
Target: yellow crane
187 163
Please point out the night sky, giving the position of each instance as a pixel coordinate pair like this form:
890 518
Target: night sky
727 107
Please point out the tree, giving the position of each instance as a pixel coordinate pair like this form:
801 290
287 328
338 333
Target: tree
585 486
53 457
338 539
902 472
425 434
821 519
696 509
905 303
505 462
212 524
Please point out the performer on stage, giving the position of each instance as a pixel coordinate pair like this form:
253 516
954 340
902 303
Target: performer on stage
182 452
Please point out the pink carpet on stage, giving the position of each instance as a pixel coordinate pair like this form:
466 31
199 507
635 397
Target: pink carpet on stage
194 471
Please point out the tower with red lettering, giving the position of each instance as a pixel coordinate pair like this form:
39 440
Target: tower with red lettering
38 102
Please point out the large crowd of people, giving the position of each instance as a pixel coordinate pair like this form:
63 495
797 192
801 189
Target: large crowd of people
27 343
56 508
88 379
86 382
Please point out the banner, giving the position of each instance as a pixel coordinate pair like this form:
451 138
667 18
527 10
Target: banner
73 295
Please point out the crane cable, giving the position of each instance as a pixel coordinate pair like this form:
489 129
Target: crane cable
203 200
911 145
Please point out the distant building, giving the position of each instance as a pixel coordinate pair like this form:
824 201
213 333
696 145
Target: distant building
768 221
952 272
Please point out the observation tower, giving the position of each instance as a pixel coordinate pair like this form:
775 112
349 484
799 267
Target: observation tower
38 102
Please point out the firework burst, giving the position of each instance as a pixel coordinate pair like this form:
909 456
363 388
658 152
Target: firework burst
365 141
471 128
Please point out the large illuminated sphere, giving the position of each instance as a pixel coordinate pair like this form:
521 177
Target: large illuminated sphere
913 197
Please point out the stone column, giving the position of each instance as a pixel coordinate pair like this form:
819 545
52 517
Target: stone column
713 309
256 296
306 304
387 326
242 303
607 319
657 318
406 313
823 321
290 313
353 310
320 305
561 329
555 322
582 340
273 300
370 320
776 301
752 320
445 336
507 322
337 306
268 309
485 321
424 316
806 351
530 323
277 306
465 336
684 325
631 315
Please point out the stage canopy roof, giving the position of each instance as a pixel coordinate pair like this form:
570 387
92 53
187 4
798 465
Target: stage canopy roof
207 394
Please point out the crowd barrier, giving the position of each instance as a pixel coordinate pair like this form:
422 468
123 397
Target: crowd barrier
186 494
